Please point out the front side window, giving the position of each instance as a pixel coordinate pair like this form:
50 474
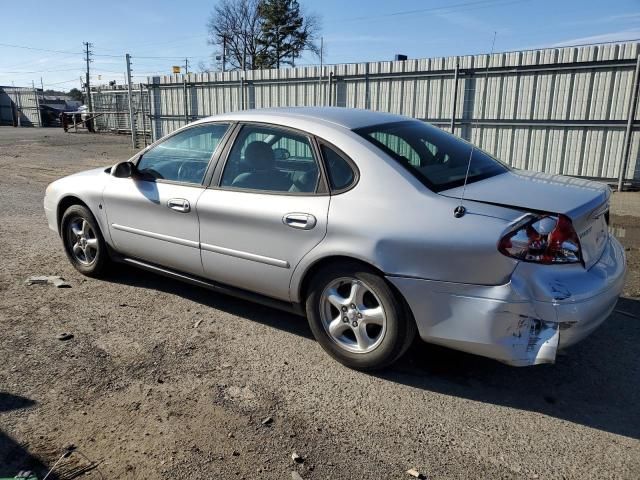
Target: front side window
436 158
273 160
184 156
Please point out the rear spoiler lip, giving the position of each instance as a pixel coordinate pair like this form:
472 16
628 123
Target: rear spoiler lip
594 208
513 207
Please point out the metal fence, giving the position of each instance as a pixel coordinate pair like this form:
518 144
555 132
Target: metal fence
111 110
561 110
20 107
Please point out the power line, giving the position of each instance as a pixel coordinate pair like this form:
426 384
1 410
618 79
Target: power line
107 55
180 57
172 42
443 9
584 44
157 44
36 62
102 70
2 72
64 81
177 57
38 49
26 47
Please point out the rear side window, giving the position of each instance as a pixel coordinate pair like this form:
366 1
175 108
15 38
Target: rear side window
341 175
437 158
271 159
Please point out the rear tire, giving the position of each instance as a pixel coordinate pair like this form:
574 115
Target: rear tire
357 317
83 242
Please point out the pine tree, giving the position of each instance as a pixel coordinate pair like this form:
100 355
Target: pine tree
285 33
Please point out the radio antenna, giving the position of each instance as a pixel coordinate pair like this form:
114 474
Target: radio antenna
459 211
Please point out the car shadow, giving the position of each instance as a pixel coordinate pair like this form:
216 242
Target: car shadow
289 322
594 383
15 457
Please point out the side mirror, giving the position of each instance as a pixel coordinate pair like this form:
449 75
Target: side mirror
123 170
281 153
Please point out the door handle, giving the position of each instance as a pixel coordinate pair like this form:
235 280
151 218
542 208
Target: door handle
303 221
179 205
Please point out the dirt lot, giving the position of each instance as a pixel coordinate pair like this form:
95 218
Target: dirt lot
145 393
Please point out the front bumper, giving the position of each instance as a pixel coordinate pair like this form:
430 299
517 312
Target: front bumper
50 212
524 322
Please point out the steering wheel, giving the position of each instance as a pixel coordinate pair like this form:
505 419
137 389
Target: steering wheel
150 172
190 172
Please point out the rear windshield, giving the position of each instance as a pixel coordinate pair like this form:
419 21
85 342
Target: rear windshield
437 158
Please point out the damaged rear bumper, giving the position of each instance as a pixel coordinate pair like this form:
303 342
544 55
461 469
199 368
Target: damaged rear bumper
524 322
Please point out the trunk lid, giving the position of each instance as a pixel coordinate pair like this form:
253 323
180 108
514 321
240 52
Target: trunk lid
584 201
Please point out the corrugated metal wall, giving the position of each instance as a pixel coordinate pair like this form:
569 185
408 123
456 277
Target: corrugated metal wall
19 106
6 109
561 110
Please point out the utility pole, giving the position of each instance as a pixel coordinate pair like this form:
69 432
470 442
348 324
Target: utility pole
132 120
278 47
144 125
224 52
35 93
87 81
186 66
455 96
244 55
633 101
320 100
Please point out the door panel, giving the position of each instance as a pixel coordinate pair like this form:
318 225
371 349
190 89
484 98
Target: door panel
247 241
152 215
155 221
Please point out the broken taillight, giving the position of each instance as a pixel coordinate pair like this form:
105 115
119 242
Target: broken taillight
548 239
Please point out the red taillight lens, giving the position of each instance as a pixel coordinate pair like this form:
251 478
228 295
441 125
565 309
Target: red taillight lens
543 239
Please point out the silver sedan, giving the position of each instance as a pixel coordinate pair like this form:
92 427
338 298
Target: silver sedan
374 226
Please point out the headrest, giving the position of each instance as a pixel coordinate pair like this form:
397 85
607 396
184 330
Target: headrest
259 156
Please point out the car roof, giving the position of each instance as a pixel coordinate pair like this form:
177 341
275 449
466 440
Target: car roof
350 118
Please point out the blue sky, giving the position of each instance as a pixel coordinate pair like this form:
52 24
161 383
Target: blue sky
353 31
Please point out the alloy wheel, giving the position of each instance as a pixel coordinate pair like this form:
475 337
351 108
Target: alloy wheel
353 315
82 241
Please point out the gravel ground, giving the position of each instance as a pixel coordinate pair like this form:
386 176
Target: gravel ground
166 380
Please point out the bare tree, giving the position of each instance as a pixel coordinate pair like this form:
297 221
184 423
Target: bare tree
261 33
203 67
235 26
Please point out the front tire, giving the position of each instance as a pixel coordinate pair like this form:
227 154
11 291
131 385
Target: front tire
83 242
357 317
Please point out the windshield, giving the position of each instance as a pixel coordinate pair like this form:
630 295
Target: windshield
437 158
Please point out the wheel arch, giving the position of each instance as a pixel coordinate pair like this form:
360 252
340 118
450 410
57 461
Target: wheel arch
66 202
324 262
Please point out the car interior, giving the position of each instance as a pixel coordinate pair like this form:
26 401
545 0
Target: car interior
262 158
183 157
271 161
432 154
